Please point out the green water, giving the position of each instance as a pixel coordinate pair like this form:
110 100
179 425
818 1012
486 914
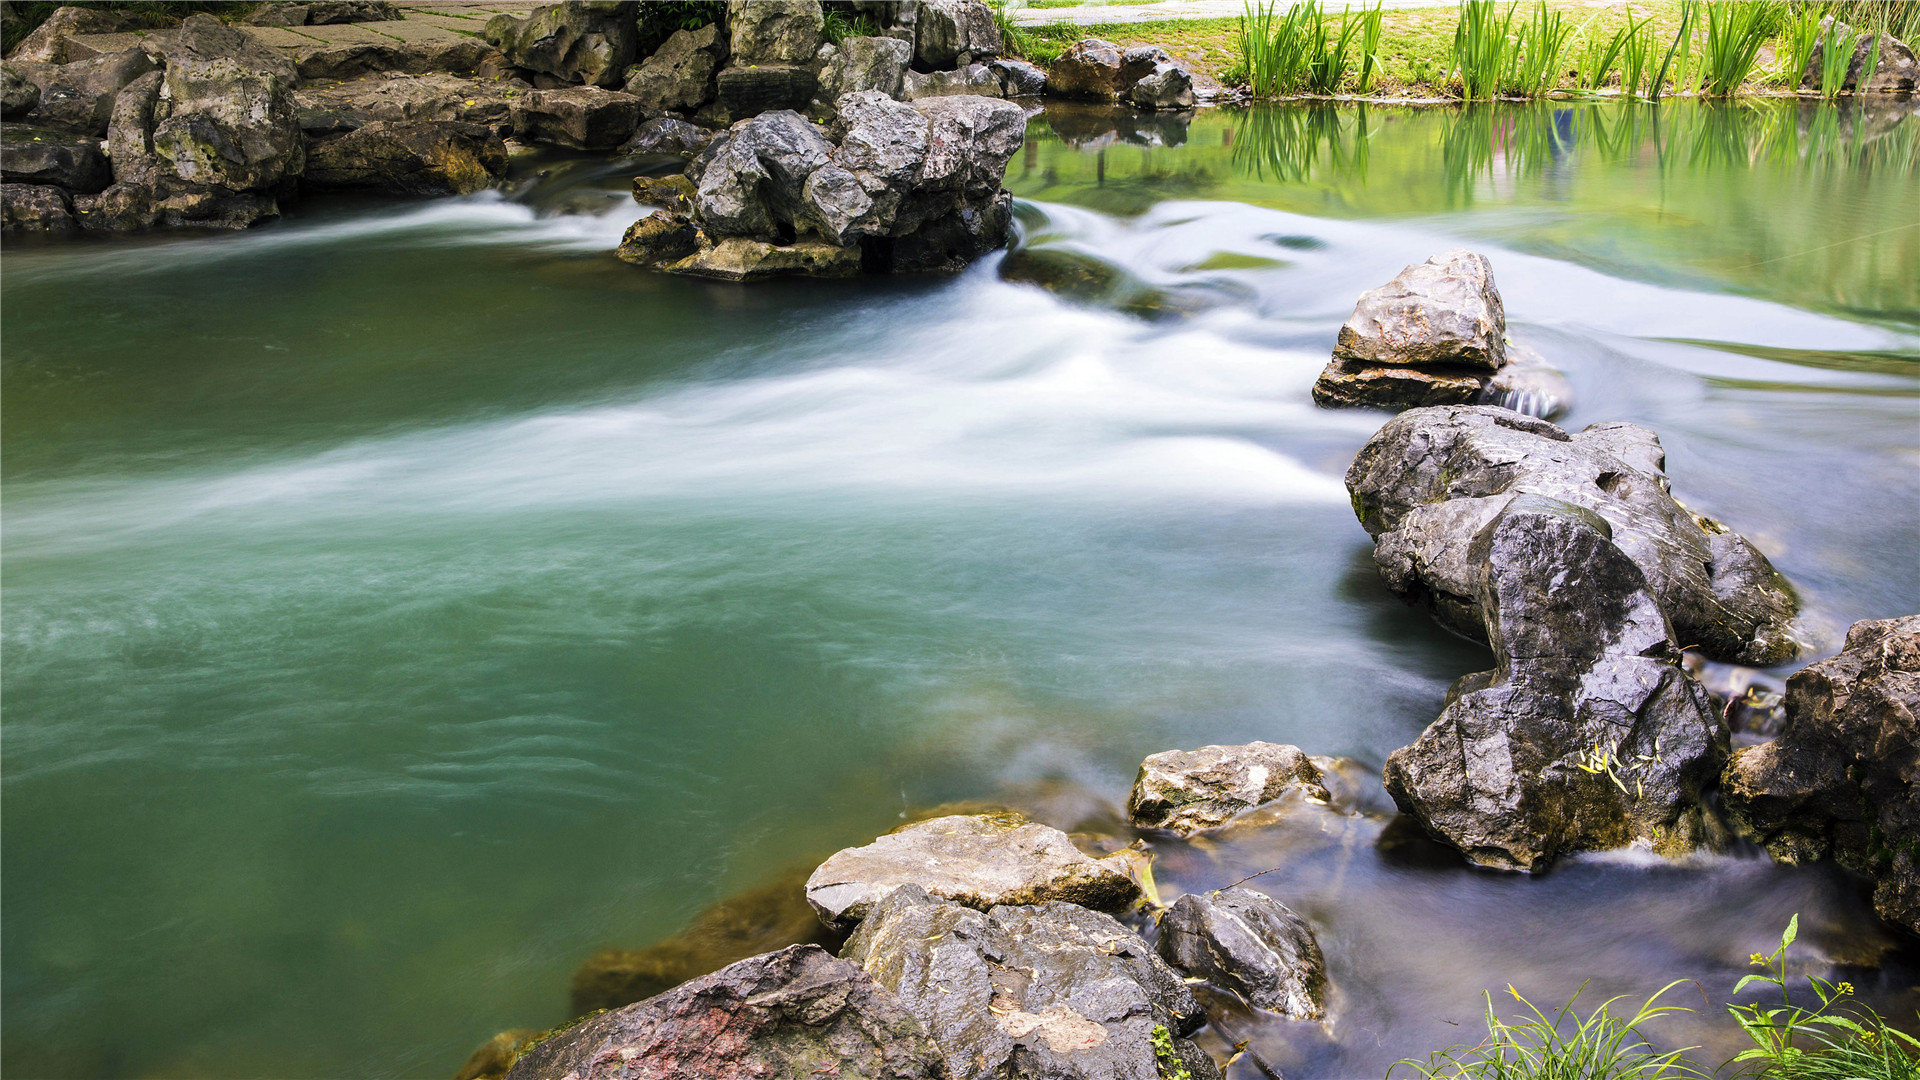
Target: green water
404 600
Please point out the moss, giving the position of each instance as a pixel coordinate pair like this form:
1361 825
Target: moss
1165 1058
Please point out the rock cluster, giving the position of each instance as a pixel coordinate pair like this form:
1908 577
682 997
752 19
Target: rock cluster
1434 335
1144 76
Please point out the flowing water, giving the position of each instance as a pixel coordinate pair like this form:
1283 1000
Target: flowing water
406 599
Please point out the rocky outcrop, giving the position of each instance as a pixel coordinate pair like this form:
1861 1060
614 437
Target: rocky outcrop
422 157
1587 734
79 96
865 63
976 860
954 33
402 98
35 208
49 43
798 1012
1431 480
1251 946
591 42
1843 779
1894 70
578 117
678 77
668 137
1044 992
1186 791
1433 335
45 156
782 32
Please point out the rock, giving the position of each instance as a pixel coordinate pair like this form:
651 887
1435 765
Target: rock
738 258
1840 781
1896 69
49 43
866 63
798 1012
667 192
1154 81
421 157
976 860
976 79
578 117
130 131
591 42
957 210
18 94
678 77
1046 992
31 155
1532 388
322 13
1186 791
753 182
954 33
225 115
401 98
1088 70
775 31
1019 78
750 91
495 1056
173 203
79 96
1431 479
660 240
1084 278
668 137
1249 945
35 208
1431 336
1587 735
357 60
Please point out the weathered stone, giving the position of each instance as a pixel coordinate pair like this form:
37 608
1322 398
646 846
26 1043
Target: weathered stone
1843 778
79 96
978 79
357 60
50 42
1139 61
18 94
954 33
1019 78
1358 384
1189 790
405 98
591 42
130 131
775 31
738 258
1046 992
673 192
750 91
1587 735
1431 479
978 860
170 202
31 155
866 63
578 117
1163 84
323 13
35 208
422 157
678 77
1895 69
1431 336
794 1013
1088 70
225 115
1250 945
753 182
668 137
659 240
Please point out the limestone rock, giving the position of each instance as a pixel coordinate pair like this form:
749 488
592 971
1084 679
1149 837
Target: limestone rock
578 117
978 79
1588 734
35 208
745 91
360 59
678 77
1843 778
977 860
398 98
1431 479
866 63
30 155
422 157
1045 992
666 136
1431 336
1088 70
1895 70
798 1012
18 94
954 33
1189 790
775 31
1019 78
79 96
591 42
225 116
1251 945
49 42
172 203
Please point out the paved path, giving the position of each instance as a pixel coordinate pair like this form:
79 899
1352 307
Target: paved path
422 22
1168 10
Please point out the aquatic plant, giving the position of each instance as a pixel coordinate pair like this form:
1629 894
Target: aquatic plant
1735 33
1682 42
1539 1046
1599 54
1834 61
1799 31
1635 54
1483 48
1858 1047
1329 57
1369 46
1536 64
1277 49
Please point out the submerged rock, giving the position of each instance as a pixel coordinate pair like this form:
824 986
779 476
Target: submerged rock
978 860
1431 479
591 42
1431 336
798 1013
1251 945
1190 790
496 1055
1042 992
1588 734
1841 780
428 157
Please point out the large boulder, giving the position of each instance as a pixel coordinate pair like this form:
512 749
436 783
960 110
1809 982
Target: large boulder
1431 336
169 202
404 98
1043 992
31 155
749 90
18 93
1089 70
795 1013
753 183
954 33
1250 945
1895 70
577 117
79 96
422 157
225 116
1431 479
1843 779
667 137
978 860
1189 790
775 31
51 41
591 42
35 208
865 63
1588 734
678 77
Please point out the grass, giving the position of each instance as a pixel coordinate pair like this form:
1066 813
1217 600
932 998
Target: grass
1820 1043
838 26
1539 1046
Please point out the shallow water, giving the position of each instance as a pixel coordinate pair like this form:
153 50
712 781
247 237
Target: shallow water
404 600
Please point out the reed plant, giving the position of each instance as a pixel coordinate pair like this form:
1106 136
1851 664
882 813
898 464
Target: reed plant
1329 56
1483 48
1735 33
1302 52
1636 57
1599 54
1369 46
1799 31
1835 60
1536 62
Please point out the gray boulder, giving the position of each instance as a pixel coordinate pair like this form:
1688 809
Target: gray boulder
775 31
755 183
35 208
1250 945
1895 70
668 137
1588 734
1089 70
678 77
1431 336
403 98
1841 780
954 33
79 96
745 91
1019 78
225 116
798 1012
976 79
957 209
422 157
1045 992
1189 790
882 146
1165 85
31 155
577 117
978 860
18 94
866 63
51 42
1431 480
591 42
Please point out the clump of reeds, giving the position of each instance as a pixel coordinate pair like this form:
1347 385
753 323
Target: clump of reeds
1735 33
1496 57
1539 1046
1302 52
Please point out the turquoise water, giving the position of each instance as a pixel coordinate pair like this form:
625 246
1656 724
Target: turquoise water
406 599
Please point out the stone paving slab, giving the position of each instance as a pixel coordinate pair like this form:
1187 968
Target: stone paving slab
1169 10
423 22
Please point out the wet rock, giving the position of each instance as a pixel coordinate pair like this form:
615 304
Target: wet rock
591 42
660 239
169 202
1431 336
750 91
50 42
1431 479
976 860
678 77
1587 735
1019 78
1045 992
79 96
673 192
1529 387
1840 781
1189 790
666 136
495 1056
738 258
973 79
1250 945
578 117
31 155
956 209
756 178
422 157
225 115
398 98
953 33
1089 70
797 1013
775 31
18 94
35 208
1896 69
866 63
